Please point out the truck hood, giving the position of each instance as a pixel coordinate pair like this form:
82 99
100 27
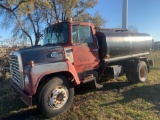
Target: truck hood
41 54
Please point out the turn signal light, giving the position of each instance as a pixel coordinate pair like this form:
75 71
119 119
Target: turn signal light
31 63
108 56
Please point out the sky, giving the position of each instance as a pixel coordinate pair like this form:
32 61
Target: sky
143 14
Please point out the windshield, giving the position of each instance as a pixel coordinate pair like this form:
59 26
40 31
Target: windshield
56 34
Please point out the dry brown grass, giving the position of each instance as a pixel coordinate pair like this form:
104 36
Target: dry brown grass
117 100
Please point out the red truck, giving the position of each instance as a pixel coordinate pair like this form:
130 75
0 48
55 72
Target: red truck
75 53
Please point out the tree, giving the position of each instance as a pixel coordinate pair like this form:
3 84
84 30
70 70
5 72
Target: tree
96 19
76 9
25 16
30 17
11 5
132 28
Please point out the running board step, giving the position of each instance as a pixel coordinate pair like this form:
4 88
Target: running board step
89 79
98 86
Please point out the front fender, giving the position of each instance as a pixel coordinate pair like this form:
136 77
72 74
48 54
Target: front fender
72 70
36 73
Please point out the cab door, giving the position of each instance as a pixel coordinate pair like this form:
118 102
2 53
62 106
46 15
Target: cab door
85 49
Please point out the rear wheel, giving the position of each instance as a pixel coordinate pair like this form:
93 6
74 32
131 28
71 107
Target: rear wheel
131 77
140 75
56 96
142 72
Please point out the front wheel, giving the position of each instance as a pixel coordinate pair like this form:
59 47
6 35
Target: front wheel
56 96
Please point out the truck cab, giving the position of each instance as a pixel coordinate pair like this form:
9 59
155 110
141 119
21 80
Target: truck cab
79 42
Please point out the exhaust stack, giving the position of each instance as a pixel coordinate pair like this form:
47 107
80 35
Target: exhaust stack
125 15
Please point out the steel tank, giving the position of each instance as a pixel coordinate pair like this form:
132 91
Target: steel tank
116 44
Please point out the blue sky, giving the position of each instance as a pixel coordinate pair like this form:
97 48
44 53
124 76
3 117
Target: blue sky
144 14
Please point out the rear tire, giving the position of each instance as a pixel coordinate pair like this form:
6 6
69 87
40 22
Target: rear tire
131 77
56 96
140 75
142 72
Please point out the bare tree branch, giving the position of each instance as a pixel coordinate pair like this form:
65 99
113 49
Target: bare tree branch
23 30
16 7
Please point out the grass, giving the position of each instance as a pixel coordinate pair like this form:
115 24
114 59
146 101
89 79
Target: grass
117 100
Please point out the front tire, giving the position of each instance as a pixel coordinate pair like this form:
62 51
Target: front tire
56 96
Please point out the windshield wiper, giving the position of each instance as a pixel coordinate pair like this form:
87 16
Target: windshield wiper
47 44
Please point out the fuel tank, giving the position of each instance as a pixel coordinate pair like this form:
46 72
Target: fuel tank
116 44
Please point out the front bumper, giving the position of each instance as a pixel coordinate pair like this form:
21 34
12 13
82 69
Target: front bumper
25 97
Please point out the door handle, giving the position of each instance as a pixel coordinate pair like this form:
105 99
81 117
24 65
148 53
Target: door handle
95 50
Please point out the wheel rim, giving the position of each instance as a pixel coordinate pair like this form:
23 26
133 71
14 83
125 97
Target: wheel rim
143 72
58 97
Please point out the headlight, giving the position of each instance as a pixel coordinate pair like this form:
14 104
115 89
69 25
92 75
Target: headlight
26 80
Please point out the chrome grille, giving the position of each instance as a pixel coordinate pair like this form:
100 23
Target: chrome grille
14 68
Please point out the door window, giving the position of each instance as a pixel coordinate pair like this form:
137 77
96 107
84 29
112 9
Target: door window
82 34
